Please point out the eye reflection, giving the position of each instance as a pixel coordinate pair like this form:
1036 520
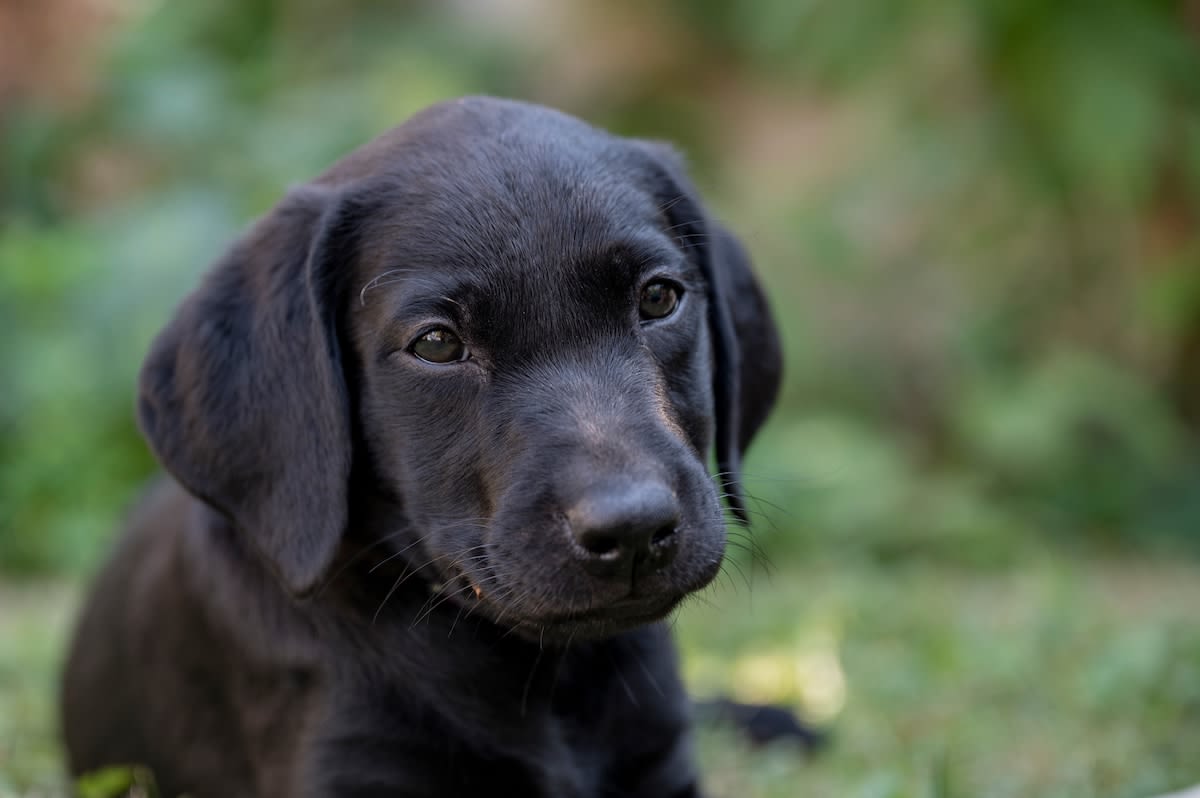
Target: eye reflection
439 345
659 300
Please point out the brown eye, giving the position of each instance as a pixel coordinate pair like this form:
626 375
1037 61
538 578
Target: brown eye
659 300
439 345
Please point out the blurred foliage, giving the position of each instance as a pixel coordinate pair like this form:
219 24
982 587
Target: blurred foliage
979 216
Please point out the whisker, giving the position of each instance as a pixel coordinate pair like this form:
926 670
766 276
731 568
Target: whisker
405 575
396 554
375 282
762 477
461 609
358 555
741 572
537 660
671 203
751 546
395 586
757 557
650 677
621 678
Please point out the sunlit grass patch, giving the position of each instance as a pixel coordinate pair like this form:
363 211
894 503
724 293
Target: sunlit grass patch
1061 677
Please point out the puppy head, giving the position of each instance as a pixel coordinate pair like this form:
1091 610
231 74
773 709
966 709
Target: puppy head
517 330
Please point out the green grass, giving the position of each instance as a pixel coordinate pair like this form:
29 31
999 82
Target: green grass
34 621
1061 676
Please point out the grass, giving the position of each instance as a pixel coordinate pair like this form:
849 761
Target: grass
1062 676
34 621
1059 677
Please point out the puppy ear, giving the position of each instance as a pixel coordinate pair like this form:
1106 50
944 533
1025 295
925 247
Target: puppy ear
242 396
745 340
760 354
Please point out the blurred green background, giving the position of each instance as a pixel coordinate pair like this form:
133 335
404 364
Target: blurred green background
977 553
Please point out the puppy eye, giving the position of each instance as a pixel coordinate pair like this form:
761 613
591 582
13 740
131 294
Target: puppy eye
439 345
659 300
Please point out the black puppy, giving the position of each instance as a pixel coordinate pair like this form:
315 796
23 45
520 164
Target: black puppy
439 424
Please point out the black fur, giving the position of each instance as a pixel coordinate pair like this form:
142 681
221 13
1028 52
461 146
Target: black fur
377 575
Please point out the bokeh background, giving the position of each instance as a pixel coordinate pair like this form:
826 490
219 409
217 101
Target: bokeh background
976 556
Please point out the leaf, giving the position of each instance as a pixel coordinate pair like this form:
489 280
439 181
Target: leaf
124 781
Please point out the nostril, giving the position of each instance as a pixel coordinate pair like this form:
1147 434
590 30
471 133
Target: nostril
663 536
616 525
606 547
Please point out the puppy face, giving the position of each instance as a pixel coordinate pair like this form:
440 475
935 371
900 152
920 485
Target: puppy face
535 386
519 332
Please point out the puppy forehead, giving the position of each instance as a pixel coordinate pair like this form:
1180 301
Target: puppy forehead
517 228
474 132
498 207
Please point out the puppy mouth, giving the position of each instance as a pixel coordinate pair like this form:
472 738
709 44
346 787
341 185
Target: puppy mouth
623 614
591 624
627 613
458 582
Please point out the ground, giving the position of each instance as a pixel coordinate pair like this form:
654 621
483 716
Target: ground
1069 675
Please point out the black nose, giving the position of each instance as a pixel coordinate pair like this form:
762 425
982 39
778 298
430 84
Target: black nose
618 527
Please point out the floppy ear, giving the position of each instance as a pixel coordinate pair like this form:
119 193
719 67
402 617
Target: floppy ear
242 396
746 348
760 354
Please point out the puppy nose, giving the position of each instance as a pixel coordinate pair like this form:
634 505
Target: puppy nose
621 526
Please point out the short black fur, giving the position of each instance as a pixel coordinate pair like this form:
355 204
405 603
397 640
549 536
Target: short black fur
374 575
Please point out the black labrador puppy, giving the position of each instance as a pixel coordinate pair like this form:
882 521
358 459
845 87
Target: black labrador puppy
438 426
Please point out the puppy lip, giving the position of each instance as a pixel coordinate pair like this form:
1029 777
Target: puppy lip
463 581
466 584
624 613
584 626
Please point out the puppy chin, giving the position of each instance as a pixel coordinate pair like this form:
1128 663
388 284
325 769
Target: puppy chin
549 625
593 624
